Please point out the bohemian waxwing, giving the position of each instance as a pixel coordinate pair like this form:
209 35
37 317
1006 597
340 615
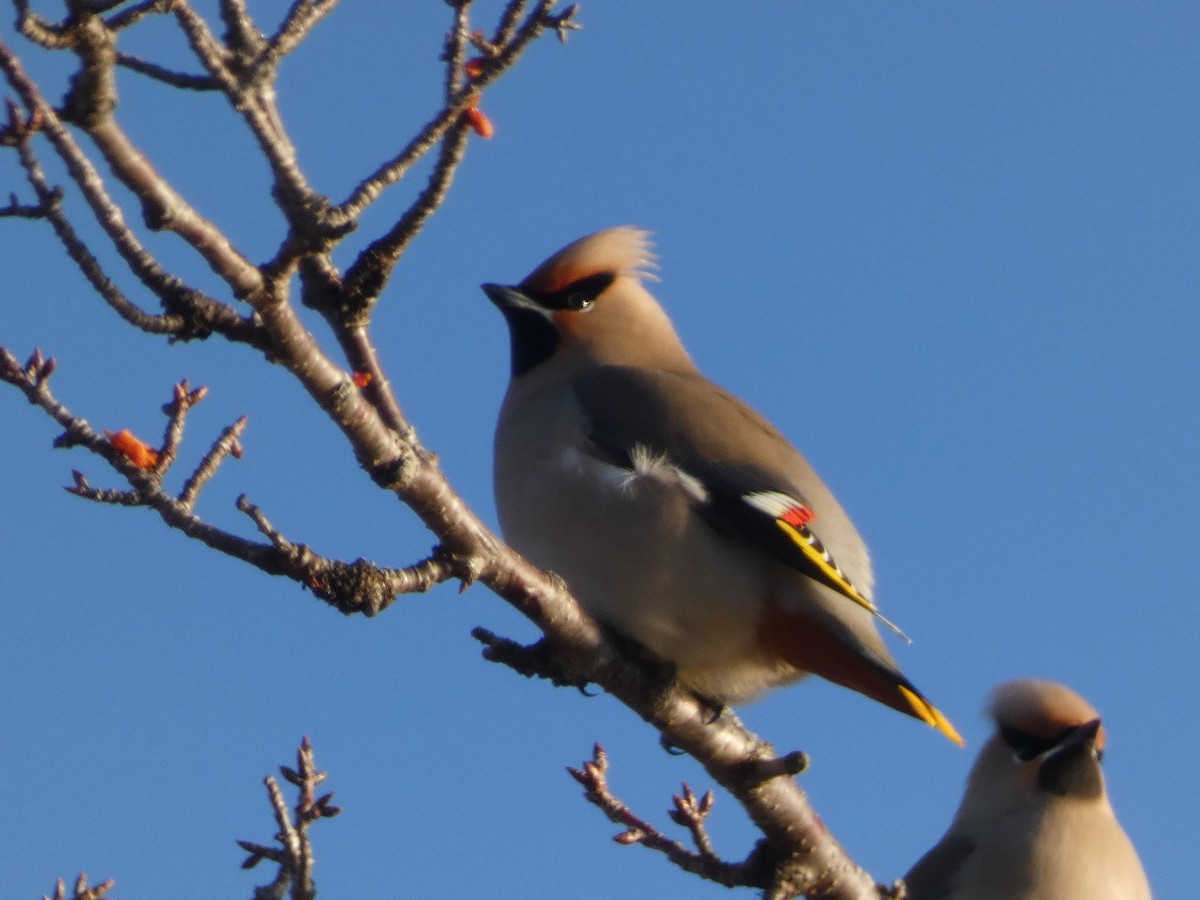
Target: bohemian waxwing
1035 823
678 515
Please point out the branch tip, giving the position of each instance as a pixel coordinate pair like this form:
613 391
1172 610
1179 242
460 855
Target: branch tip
787 766
564 22
81 891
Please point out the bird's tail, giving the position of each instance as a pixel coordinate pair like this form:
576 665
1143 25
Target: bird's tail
823 649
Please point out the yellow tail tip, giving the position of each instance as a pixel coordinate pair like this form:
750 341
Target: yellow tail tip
930 715
942 724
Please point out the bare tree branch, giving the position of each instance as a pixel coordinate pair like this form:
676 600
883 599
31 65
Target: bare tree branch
754 871
296 26
294 856
224 446
809 861
350 587
508 22
81 891
368 276
366 279
242 35
90 104
203 313
39 30
133 14
166 76
304 208
395 169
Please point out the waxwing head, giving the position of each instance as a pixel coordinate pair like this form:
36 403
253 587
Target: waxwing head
1048 744
1035 821
587 301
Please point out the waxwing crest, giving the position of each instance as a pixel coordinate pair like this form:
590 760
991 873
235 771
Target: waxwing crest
1041 708
624 250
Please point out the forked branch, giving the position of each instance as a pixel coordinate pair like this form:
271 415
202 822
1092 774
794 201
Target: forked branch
350 587
294 855
80 890
690 812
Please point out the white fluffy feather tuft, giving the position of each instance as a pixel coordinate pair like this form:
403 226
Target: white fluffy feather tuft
624 250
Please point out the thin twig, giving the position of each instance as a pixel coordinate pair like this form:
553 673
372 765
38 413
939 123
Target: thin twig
307 212
51 206
184 80
83 488
350 587
193 315
294 856
537 660
356 344
295 27
456 46
368 275
183 398
355 587
16 210
39 30
80 890
131 15
691 812
564 23
224 446
202 313
89 104
508 22
752 872
395 169
242 35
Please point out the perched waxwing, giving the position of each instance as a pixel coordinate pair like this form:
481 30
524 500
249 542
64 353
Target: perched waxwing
1035 823
678 515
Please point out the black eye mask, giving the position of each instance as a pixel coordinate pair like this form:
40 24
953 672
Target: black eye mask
578 295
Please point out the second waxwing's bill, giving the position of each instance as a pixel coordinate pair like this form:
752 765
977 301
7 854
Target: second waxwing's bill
1035 822
677 514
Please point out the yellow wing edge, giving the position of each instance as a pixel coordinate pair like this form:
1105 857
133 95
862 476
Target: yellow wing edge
823 561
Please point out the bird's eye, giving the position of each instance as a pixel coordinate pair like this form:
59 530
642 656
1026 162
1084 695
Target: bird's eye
579 295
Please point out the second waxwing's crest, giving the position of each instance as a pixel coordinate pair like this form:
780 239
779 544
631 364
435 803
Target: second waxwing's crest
1042 708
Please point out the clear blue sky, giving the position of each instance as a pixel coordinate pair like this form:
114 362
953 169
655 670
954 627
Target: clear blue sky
949 248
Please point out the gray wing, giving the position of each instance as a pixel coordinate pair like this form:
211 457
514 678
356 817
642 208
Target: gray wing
934 874
688 417
759 489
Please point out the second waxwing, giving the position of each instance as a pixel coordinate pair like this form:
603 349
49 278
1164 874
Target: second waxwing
1035 822
678 515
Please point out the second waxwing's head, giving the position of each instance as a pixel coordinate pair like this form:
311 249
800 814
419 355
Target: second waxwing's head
587 305
1047 748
